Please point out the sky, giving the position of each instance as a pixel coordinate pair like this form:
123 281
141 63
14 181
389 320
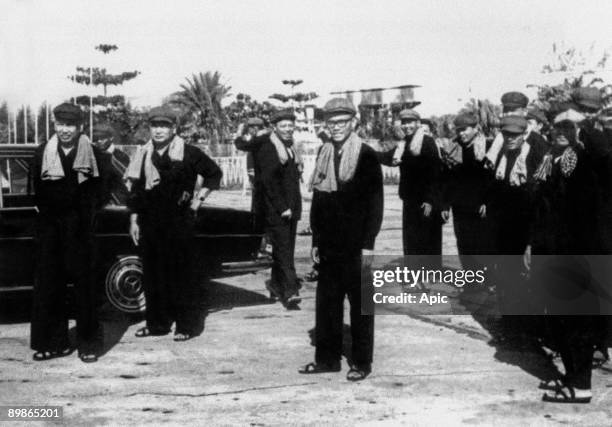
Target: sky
454 50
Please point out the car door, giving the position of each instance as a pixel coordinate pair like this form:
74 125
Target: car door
17 222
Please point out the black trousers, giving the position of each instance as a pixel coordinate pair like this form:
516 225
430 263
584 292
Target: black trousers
421 236
170 280
339 278
510 240
576 336
64 244
473 235
282 237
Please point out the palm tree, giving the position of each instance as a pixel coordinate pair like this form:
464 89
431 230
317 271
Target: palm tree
202 96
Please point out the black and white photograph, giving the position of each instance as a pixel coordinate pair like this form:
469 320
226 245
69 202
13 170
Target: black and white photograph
283 212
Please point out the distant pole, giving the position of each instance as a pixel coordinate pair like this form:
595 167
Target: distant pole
47 120
35 126
25 124
15 126
91 104
8 122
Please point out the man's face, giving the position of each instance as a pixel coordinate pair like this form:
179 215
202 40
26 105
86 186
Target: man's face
534 126
284 129
340 127
410 126
161 132
66 132
252 130
466 134
103 142
512 141
563 136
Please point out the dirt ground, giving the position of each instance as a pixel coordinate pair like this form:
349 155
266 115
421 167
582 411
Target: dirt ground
428 370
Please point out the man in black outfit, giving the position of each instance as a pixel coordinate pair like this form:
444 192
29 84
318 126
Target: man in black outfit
564 233
346 215
68 194
279 169
465 184
420 182
166 175
115 163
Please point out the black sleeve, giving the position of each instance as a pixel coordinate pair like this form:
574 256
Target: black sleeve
433 171
385 157
270 167
135 199
374 194
315 217
34 175
107 178
448 187
248 146
207 168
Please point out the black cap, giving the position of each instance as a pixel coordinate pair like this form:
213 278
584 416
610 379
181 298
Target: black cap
337 106
465 120
68 113
514 100
162 114
103 131
286 114
514 124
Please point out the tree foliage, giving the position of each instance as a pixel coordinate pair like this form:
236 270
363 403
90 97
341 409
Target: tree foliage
201 97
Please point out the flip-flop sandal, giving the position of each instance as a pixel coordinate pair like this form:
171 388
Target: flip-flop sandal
552 385
87 357
356 374
182 337
40 356
318 368
565 394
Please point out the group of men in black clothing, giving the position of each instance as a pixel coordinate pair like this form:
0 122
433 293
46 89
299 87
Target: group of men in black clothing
516 194
167 181
537 202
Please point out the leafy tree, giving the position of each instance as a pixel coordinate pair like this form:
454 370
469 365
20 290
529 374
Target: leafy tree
202 96
101 77
577 68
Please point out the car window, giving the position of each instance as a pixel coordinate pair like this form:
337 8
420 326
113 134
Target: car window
14 176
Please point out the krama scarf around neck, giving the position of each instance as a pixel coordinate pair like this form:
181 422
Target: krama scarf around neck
324 174
144 154
84 162
518 173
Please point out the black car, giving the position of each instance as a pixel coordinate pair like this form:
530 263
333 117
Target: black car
227 242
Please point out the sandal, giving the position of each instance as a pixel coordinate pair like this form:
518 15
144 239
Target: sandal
88 357
146 332
357 374
565 394
319 368
180 337
551 385
40 356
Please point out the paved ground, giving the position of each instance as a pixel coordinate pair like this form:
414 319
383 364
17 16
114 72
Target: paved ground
429 370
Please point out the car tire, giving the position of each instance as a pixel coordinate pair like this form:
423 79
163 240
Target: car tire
123 285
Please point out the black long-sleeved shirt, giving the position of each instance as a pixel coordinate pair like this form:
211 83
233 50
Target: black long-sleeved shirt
348 220
465 184
176 179
66 194
420 175
279 183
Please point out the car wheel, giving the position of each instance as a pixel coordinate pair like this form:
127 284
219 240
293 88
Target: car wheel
123 285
